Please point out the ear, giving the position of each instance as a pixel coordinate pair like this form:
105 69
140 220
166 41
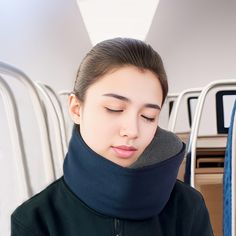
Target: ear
75 108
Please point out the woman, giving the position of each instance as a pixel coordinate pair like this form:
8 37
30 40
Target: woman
120 170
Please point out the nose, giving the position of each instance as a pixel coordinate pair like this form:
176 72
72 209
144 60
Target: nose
130 128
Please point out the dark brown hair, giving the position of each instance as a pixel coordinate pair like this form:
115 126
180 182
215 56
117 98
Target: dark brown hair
115 53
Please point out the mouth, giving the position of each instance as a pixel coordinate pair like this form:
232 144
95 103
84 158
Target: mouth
124 151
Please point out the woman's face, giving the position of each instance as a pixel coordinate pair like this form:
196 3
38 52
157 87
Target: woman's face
119 116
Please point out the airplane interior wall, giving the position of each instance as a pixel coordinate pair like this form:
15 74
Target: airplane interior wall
47 41
196 40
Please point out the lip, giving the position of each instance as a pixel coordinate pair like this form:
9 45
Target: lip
124 151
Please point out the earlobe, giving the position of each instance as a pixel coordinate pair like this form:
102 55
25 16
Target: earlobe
74 108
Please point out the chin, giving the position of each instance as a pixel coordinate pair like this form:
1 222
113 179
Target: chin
124 163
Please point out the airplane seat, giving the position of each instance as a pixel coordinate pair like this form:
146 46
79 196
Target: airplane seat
206 148
229 179
11 157
26 165
167 109
181 117
56 125
63 96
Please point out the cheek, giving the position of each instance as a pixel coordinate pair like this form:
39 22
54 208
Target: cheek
97 122
148 135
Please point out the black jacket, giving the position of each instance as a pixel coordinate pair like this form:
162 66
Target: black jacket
57 211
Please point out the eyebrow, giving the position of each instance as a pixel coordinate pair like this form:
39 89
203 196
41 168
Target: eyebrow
150 105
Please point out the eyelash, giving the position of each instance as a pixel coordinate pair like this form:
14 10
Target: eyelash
148 119
116 111
111 110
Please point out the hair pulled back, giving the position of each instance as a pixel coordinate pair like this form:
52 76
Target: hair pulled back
115 53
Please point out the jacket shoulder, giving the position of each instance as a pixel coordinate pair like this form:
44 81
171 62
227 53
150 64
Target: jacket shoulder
28 216
39 199
184 201
185 192
190 213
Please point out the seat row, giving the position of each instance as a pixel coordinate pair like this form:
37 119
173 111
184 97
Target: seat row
34 138
201 118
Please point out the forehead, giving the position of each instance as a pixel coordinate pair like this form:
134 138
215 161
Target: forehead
128 81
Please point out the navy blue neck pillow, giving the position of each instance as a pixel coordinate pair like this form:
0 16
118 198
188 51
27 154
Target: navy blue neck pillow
138 192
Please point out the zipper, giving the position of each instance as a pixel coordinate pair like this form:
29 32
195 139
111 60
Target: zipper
117 227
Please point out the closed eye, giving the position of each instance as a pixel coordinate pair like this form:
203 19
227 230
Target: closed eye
113 110
148 118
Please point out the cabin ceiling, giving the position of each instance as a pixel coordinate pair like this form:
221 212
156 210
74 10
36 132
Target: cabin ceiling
196 39
106 19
